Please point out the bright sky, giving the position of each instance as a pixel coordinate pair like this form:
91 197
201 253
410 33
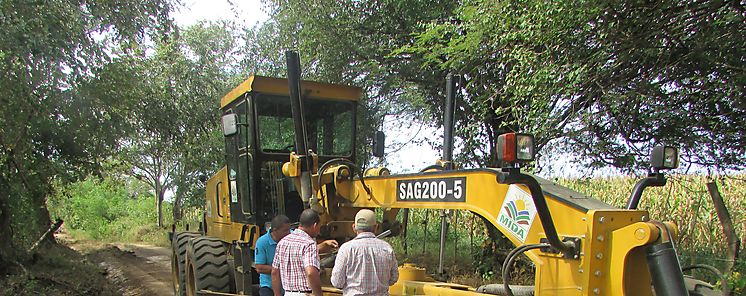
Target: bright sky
412 157
247 12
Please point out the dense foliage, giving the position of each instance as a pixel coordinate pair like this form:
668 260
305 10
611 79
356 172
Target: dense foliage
47 131
108 89
603 79
107 210
170 104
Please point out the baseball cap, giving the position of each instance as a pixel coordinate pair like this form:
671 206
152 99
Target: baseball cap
365 220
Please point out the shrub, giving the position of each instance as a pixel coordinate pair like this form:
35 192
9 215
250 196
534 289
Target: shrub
109 210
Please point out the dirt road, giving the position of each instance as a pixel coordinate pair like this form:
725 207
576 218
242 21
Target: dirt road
137 270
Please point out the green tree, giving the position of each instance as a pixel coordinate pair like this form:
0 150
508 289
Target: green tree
602 79
47 131
351 42
174 123
607 79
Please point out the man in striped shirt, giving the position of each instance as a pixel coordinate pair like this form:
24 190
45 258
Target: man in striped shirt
296 265
365 265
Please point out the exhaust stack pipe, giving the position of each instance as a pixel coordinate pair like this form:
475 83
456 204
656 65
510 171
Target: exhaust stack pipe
448 123
296 106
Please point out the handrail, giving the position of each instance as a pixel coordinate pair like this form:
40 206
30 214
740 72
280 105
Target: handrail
652 180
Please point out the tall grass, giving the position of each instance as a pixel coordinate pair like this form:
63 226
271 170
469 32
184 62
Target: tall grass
684 201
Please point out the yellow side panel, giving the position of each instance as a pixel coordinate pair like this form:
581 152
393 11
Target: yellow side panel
217 210
216 198
231 232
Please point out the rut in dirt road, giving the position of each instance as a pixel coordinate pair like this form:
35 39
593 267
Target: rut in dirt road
140 270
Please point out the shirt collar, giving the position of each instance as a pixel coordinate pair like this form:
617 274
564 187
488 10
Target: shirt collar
302 233
365 235
271 239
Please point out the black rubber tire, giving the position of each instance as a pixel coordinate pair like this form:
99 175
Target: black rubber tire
178 260
207 267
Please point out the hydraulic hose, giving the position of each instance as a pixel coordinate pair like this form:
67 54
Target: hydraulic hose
665 270
349 163
499 289
664 266
512 256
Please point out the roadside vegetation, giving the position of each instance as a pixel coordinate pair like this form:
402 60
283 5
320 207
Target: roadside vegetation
61 271
109 115
109 210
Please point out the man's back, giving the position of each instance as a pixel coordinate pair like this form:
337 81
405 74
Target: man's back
365 266
294 253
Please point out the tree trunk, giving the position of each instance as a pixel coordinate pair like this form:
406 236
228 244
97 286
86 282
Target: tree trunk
728 229
43 216
159 197
6 235
176 209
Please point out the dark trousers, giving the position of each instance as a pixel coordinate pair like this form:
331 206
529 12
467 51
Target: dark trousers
265 291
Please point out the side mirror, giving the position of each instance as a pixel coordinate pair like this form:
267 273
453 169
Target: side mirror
230 126
379 144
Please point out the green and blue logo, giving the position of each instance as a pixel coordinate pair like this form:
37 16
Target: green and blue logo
517 212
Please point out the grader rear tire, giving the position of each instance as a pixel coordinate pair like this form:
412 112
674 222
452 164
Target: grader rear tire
178 260
207 267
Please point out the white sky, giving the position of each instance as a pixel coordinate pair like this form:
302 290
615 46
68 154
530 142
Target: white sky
246 12
411 158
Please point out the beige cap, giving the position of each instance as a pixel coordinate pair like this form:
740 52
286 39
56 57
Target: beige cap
365 220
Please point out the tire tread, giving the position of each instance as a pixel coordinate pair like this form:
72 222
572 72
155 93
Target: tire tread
210 263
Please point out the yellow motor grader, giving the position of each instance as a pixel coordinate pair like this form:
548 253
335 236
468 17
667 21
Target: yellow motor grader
290 145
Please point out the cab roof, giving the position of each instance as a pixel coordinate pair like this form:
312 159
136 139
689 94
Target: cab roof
279 86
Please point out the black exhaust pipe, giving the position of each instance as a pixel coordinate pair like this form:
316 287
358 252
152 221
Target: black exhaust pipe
296 106
448 121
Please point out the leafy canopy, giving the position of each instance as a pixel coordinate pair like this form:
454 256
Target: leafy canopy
606 80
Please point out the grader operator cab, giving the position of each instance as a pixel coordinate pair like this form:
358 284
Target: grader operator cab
290 145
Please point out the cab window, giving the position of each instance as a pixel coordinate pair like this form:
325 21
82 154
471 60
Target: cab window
329 125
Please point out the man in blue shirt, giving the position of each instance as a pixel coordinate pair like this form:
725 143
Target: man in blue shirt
265 252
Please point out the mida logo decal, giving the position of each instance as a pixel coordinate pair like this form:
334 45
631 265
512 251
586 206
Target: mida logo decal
517 212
